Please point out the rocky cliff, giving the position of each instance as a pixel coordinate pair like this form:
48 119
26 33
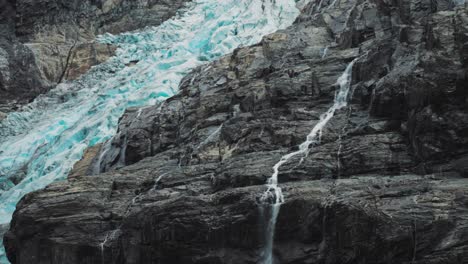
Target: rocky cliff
46 42
386 182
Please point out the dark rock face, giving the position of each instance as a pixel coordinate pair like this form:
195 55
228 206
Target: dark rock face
386 184
18 74
46 42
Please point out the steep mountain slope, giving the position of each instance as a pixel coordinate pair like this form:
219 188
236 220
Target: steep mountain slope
384 183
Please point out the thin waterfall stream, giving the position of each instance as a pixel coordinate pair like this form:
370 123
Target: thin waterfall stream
273 198
41 143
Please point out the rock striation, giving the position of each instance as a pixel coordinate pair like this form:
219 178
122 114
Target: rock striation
46 42
180 182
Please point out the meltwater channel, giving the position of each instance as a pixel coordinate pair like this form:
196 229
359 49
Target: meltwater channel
41 143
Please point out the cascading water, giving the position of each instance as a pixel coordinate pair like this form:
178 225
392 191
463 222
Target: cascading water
96 169
41 143
273 197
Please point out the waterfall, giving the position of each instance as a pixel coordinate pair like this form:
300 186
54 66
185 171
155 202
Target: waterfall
123 151
273 197
96 167
41 143
109 237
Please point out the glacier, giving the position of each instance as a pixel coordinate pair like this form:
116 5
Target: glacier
40 143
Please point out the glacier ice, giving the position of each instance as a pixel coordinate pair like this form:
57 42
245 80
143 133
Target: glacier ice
41 143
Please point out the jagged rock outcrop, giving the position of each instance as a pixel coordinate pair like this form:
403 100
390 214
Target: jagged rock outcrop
43 43
181 180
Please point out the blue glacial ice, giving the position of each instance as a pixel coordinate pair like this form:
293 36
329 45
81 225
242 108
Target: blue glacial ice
41 143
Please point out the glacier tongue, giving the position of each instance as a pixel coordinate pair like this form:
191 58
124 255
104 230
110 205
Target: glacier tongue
41 143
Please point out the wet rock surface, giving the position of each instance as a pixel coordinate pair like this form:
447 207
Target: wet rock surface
180 182
43 43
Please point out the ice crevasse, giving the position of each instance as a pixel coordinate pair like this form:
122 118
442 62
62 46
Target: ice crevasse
41 143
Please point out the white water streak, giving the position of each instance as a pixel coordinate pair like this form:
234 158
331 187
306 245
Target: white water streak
325 52
110 236
210 137
273 195
103 151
